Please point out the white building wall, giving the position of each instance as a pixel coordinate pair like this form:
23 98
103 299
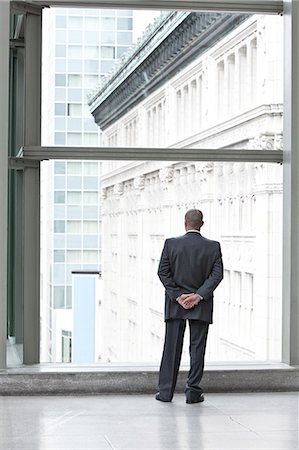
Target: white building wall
229 97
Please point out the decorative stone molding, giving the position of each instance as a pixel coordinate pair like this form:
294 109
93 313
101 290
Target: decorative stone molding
139 183
278 141
166 174
118 189
266 142
103 194
181 42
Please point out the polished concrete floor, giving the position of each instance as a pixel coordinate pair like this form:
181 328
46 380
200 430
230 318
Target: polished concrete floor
224 421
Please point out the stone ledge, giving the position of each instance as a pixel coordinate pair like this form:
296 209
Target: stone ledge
120 380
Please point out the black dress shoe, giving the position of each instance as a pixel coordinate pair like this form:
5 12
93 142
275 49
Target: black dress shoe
190 399
158 397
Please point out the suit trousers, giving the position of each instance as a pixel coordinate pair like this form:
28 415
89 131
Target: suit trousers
171 357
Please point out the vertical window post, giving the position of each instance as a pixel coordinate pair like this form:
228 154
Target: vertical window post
290 292
4 69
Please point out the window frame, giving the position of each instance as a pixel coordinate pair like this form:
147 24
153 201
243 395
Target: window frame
290 157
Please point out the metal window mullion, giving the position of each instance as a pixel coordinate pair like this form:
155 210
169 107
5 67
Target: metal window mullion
31 269
290 291
18 299
250 6
31 189
150 154
4 90
32 112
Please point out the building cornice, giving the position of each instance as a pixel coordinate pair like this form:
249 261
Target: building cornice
174 43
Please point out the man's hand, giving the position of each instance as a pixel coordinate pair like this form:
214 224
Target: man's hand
188 301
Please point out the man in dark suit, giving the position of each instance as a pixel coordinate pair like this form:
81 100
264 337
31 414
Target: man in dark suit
190 269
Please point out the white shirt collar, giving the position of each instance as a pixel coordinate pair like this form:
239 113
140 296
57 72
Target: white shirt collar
193 231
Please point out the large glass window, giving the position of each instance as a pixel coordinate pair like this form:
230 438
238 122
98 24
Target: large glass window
225 95
242 206
218 101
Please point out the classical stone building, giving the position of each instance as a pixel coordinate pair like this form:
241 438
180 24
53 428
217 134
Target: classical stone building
196 80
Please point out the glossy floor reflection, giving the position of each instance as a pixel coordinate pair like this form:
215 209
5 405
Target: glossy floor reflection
223 421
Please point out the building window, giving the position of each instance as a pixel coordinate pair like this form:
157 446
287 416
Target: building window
108 52
73 256
90 81
91 168
75 37
59 226
91 52
74 226
75 51
60 21
59 109
59 256
92 23
59 167
66 346
59 197
74 198
124 24
74 138
124 37
60 51
74 109
91 139
75 22
107 23
58 297
74 168
91 66
90 257
90 226
90 197
59 138
60 80
74 80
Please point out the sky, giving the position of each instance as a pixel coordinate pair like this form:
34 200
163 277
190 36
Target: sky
142 19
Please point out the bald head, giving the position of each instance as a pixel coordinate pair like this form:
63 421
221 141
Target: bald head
193 219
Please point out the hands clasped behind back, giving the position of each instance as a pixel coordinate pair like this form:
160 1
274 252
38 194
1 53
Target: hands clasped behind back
188 301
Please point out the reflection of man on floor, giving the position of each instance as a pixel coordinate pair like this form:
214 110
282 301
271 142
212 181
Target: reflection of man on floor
190 270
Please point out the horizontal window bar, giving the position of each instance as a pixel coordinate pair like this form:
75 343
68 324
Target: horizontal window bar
153 154
250 6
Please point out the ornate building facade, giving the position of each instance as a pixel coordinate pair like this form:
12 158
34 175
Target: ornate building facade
196 80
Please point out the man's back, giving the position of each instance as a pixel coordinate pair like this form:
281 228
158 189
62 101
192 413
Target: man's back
191 258
190 263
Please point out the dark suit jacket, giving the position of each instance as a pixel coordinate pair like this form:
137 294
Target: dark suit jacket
190 263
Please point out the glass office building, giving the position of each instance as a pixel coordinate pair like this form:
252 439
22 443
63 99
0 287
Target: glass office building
79 48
